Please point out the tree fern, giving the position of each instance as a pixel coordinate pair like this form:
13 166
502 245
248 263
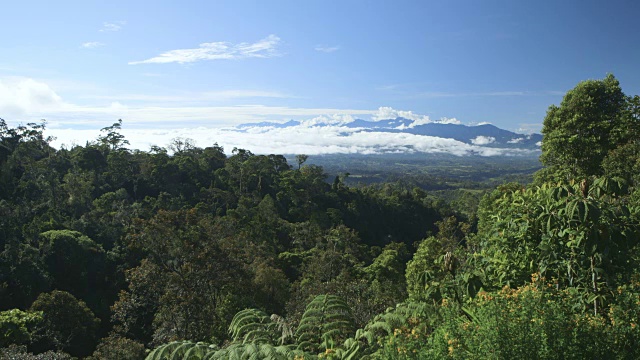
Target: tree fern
198 351
256 351
164 352
251 325
326 321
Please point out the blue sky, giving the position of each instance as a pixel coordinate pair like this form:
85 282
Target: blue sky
169 67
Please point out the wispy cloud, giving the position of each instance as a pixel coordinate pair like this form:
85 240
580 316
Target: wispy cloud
327 49
529 128
222 50
436 94
92 44
193 97
387 87
112 26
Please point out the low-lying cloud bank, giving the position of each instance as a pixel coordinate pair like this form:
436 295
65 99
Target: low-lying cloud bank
311 140
316 130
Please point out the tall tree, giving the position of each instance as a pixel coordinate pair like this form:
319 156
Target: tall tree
580 132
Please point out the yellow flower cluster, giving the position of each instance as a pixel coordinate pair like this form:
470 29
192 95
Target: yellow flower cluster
453 344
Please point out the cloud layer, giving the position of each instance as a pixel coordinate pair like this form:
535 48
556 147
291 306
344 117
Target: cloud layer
311 140
264 48
321 130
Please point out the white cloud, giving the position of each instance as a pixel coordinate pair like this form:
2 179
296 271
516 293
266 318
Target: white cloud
385 113
515 141
231 94
529 128
25 96
483 140
441 94
312 140
193 97
25 99
445 120
112 26
335 119
92 44
140 116
264 48
327 49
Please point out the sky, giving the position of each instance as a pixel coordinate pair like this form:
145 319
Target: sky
192 69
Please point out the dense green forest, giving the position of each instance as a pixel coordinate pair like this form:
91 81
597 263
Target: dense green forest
187 253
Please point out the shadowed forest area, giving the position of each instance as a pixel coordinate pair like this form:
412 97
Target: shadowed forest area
187 253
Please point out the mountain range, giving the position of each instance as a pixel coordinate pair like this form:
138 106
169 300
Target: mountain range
485 135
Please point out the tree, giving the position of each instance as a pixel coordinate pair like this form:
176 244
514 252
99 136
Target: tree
67 324
300 159
75 262
200 269
580 132
439 269
16 326
118 348
112 139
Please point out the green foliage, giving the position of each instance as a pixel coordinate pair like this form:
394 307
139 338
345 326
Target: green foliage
584 128
170 244
582 235
326 322
199 269
185 350
112 139
17 326
135 309
179 350
21 353
593 132
439 268
75 262
252 325
257 351
118 348
386 277
412 321
534 322
67 324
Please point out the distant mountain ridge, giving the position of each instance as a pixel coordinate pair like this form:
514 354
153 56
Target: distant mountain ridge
481 135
